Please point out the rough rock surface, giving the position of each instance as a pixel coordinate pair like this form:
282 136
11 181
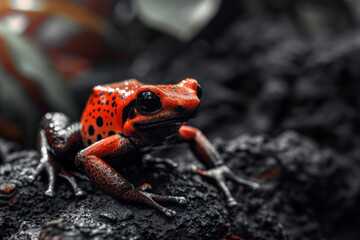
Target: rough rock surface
27 210
293 172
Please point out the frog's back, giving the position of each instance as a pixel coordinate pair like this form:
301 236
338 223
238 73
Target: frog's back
103 113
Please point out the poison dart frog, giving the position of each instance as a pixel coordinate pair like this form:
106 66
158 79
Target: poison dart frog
121 119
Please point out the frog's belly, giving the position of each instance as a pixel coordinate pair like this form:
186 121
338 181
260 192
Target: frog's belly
124 159
159 143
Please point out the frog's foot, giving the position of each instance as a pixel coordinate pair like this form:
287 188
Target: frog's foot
154 198
160 198
53 169
220 174
172 199
155 161
151 199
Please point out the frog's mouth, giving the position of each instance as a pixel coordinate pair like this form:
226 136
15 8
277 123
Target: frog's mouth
164 122
160 123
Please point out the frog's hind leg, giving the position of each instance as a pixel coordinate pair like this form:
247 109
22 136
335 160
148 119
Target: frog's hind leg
113 183
61 137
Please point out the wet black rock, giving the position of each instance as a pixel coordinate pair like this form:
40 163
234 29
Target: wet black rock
28 211
312 188
300 182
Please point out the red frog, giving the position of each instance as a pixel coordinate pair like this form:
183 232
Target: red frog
127 118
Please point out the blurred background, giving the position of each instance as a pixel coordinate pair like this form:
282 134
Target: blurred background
249 56
265 66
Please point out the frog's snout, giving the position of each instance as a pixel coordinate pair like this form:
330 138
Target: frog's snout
192 84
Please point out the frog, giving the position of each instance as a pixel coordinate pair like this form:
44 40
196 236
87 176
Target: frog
125 118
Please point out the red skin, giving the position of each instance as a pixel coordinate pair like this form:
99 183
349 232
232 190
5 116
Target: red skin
109 107
118 121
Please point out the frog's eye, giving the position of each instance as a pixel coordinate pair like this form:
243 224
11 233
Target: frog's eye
148 101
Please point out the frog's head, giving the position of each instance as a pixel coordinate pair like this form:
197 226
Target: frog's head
156 106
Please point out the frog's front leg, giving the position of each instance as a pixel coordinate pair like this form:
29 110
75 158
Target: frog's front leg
110 181
55 137
208 155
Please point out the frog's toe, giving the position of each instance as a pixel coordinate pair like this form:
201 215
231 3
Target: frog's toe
31 178
197 170
172 199
149 199
50 192
231 202
79 192
255 186
182 200
145 186
169 212
171 163
40 167
239 180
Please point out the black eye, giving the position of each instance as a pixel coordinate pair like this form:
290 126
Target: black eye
148 101
199 91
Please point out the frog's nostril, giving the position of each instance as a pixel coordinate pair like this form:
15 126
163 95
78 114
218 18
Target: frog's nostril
180 108
199 91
